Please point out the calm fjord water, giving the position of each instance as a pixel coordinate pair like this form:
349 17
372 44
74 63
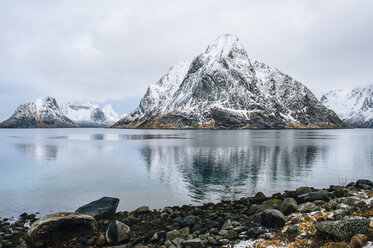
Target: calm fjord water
51 170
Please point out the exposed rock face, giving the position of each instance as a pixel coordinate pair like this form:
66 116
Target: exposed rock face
353 107
62 230
223 88
100 209
40 113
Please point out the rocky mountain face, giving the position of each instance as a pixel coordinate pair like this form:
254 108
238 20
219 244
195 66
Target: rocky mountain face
223 88
90 115
354 107
46 112
40 113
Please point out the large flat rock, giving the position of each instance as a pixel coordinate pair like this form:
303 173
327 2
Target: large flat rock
62 229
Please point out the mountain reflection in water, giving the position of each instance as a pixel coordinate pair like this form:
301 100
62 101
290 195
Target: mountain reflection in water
230 172
50 170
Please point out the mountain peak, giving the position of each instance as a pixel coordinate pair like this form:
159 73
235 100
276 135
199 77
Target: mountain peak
224 45
223 89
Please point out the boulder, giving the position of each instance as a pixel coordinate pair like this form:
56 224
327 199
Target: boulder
288 206
345 229
62 229
271 204
117 232
142 210
303 190
103 208
258 198
313 196
364 184
289 194
339 191
273 218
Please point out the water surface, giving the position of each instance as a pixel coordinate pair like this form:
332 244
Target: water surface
49 170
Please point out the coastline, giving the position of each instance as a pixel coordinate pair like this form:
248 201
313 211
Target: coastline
338 216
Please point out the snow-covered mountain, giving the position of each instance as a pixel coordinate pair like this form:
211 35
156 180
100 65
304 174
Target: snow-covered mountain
89 115
40 113
355 107
48 113
223 88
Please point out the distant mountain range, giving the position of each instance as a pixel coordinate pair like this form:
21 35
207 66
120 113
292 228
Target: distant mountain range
354 107
90 115
223 88
47 113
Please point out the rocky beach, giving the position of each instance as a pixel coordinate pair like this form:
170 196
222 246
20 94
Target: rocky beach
338 216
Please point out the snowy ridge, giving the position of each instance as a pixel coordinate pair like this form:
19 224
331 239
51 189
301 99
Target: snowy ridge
88 114
355 107
48 113
40 113
223 88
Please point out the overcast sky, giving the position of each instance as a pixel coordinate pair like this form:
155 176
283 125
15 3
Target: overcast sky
110 51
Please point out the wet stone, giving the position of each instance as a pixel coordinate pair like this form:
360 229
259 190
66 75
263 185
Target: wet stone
103 208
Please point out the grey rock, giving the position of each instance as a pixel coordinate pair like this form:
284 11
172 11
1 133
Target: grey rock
340 191
224 241
303 190
8 236
212 240
292 229
142 210
103 208
188 221
227 226
194 243
19 222
271 204
308 207
273 218
343 229
351 200
178 241
223 233
255 218
313 196
117 232
288 206
258 198
364 182
171 235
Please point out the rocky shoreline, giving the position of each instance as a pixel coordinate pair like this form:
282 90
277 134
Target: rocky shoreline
338 216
